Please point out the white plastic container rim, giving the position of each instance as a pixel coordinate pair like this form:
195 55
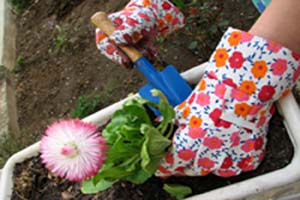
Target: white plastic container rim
291 173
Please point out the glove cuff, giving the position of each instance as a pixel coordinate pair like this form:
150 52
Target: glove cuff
241 56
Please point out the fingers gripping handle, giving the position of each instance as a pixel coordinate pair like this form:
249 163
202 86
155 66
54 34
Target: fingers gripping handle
101 20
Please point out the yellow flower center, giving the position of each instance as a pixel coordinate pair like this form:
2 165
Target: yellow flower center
70 150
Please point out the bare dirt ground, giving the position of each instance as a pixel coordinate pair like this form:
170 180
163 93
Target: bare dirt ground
60 62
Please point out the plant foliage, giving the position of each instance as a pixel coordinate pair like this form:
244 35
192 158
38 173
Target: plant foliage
135 145
177 191
20 5
85 106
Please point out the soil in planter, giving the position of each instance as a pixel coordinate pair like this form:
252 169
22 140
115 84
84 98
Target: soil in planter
32 181
58 62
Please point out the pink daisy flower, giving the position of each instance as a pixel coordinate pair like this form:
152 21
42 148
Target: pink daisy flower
73 149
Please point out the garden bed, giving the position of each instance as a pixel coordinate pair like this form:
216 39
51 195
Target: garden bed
58 63
33 181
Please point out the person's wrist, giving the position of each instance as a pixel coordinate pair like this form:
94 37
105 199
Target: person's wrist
280 23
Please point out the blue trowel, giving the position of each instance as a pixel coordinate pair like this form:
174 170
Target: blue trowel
169 81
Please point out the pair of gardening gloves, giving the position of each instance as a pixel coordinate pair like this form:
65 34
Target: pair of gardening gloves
222 125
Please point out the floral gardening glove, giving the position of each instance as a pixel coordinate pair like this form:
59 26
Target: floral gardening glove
224 122
138 24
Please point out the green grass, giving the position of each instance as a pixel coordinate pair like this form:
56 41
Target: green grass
86 105
20 5
20 62
205 22
60 41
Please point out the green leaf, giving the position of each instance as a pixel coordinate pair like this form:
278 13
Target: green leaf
84 105
165 109
157 143
135 146
213 28
139 177
113 173
179 4
223 23
193 45
153 149
134 108
88 186
177 191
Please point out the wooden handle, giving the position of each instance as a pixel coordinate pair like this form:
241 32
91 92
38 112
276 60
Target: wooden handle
104 24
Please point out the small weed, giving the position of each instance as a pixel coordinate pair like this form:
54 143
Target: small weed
205 22
10 144
2 71
179 4
20 62
85 106
20 5
160 39
60 41
111 86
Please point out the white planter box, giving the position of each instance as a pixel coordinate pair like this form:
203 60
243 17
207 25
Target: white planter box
288 174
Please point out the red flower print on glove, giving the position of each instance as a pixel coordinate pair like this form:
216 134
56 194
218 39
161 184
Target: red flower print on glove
227 163
296 74
215 116
213 142
246 164
206 163
186 154
266 93
236 60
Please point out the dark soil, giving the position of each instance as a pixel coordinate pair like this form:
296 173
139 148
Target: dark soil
37 184
34 182
54 74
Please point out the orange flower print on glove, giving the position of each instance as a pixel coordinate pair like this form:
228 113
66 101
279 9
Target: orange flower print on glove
221 57
259 69
247 87
195 122
242 109
234 38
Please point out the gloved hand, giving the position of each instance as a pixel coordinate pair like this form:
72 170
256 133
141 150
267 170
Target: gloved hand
224 122
138 24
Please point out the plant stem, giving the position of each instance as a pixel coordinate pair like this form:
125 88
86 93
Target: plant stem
170 133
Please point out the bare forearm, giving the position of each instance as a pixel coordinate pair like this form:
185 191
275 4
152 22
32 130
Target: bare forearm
280 22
